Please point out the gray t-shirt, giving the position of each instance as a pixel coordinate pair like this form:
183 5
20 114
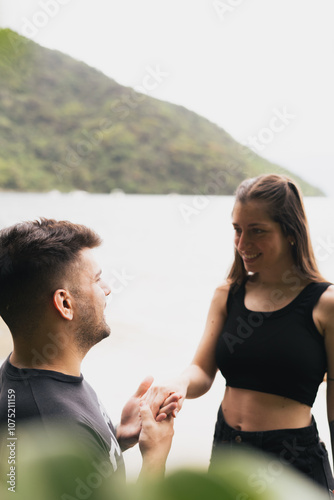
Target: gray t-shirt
46 398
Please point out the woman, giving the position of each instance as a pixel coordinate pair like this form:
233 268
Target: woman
270 330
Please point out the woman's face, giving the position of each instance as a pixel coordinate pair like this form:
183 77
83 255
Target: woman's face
259 240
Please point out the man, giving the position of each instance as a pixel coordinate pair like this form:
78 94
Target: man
52 298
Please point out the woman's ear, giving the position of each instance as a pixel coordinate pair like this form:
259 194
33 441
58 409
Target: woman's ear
62 301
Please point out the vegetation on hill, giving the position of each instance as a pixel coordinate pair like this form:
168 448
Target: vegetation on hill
67 126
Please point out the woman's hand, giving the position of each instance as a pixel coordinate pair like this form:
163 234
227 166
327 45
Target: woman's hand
166 399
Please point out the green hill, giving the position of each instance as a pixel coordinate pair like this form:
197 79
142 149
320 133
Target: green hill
67 126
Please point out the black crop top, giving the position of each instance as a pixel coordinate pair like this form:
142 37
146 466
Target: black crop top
279 352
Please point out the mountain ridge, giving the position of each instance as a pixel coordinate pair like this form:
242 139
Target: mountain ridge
66 126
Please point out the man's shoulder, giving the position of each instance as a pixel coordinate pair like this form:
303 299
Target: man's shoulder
55 402
41 393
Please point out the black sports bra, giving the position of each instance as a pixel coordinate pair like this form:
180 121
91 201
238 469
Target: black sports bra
279 352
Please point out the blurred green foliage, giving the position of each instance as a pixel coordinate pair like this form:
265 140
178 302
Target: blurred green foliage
59 468
66 126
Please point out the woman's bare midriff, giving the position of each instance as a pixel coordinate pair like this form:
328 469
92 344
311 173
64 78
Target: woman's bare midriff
253 411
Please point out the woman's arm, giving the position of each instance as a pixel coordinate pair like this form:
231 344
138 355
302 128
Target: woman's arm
324 319
197 379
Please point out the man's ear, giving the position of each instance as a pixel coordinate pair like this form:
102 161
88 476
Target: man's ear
63 303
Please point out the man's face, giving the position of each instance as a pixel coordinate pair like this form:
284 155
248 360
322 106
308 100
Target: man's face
90 301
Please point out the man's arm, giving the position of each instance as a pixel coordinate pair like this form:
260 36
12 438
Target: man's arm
155 441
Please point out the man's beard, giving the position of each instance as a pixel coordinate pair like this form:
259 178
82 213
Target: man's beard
90 329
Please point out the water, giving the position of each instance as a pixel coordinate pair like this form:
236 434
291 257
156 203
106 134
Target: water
163 256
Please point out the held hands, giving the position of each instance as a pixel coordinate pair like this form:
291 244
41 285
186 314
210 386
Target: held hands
166 400
130 425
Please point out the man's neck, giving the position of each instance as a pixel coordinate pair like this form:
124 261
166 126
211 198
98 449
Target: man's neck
69 364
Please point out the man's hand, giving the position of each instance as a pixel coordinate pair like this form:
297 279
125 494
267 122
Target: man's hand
165 400
155 441
128 430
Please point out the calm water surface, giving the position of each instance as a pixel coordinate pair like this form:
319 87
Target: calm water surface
163 257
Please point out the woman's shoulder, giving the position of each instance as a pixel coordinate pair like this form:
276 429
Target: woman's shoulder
223 288
323 312
220 296
326 299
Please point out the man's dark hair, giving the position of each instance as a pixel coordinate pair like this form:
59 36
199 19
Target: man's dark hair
35 257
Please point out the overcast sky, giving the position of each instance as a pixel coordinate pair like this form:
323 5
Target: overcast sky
261 69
